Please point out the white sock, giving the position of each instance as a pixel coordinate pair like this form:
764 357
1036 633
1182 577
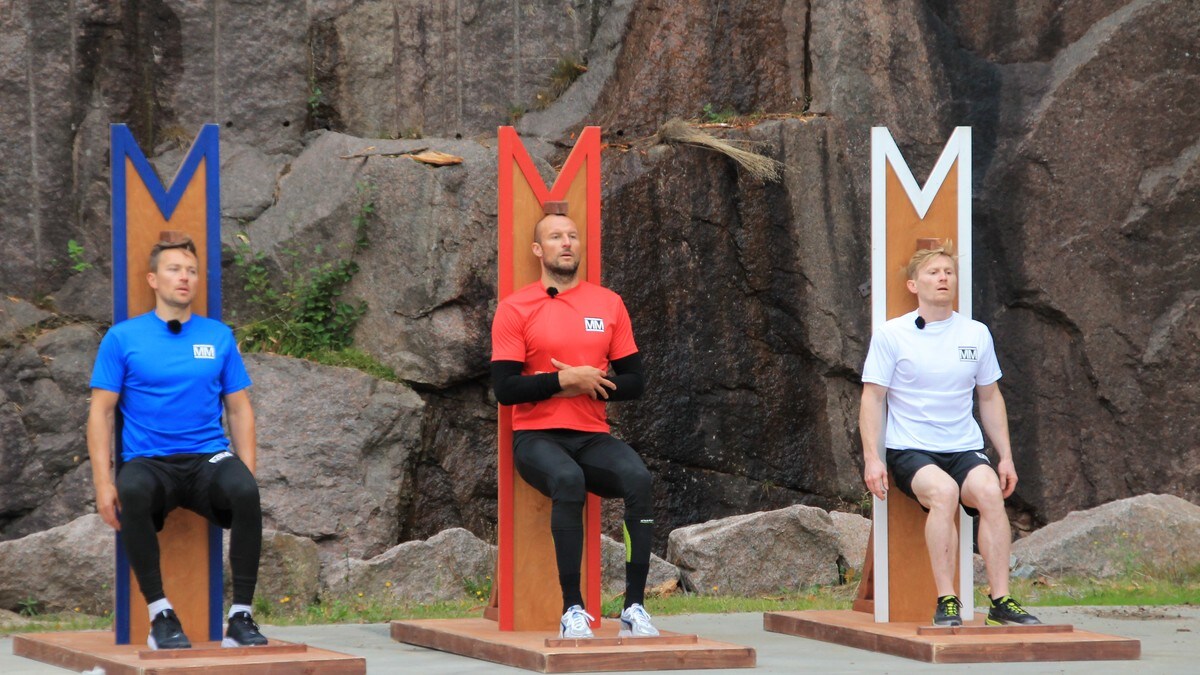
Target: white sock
239 608
158 606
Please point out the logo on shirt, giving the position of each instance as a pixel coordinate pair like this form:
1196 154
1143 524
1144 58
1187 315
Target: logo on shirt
593 325
968 354
204 352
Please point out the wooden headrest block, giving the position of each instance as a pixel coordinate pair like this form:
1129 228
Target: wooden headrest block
554 208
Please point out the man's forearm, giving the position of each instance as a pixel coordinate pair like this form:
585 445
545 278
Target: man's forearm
994 416
99 444
870 423
242 433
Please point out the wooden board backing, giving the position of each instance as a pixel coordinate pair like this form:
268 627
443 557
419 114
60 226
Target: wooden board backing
481 639
987 645
527 573
189 561
84 650
912 594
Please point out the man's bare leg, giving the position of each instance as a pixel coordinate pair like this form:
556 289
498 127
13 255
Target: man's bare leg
938 492
981 491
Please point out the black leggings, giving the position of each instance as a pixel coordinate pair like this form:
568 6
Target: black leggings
565 465
222 491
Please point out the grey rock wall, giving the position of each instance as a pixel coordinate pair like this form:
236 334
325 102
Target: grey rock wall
746 296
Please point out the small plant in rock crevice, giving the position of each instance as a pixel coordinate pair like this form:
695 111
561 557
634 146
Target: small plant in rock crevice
303 312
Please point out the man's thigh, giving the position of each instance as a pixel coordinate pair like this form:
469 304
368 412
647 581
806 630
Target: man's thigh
543 458
151 481
211 479
981 488
610 465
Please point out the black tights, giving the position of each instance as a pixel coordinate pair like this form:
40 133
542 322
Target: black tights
565 465
224 492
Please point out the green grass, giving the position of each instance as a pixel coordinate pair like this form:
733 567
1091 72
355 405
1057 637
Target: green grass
355 358
59 621
1174 588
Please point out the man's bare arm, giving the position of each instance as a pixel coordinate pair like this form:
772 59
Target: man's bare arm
100 425
994 416
870 428
241 428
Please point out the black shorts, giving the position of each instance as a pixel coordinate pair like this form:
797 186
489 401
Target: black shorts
186 481
904 464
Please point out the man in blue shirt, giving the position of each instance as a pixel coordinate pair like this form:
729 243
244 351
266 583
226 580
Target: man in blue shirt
172 374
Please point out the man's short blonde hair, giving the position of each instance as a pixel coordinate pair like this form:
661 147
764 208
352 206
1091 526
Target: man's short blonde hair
924 255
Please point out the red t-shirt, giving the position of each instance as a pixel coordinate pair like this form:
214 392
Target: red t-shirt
586 325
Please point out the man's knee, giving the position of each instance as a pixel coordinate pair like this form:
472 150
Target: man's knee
238 485
637 484
981 491
935 489
568 485
135 490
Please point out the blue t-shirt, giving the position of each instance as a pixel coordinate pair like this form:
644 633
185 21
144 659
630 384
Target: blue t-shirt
170 385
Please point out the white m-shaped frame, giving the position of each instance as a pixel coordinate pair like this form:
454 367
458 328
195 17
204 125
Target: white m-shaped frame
884 152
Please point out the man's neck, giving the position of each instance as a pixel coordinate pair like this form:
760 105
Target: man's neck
168 313
933 313
562 283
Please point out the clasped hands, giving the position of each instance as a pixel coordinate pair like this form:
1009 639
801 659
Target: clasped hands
581 380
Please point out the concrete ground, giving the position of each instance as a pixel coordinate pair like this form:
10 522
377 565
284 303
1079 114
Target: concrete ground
1170 644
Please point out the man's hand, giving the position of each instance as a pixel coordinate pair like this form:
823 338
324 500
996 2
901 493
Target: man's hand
108 505
1008 476
579 380
875 476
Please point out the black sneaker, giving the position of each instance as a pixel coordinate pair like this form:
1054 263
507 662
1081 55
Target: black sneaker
242 632
1006 610
949 611
166 632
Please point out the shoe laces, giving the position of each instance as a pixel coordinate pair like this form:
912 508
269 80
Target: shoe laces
244 620
635 613
949 606
1012 605
578 619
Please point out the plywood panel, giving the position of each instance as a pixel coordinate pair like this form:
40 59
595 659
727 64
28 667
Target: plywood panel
85 650
912 593
533 602
532 650
974 644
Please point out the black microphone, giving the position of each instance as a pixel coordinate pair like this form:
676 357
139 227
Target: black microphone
174 326
552 291
920 322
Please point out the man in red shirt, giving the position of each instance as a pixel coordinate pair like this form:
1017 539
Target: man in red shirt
553 343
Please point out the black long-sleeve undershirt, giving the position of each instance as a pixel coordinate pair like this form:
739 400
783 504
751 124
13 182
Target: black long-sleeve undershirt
511 387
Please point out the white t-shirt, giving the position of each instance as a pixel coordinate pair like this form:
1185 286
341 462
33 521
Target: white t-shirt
931 375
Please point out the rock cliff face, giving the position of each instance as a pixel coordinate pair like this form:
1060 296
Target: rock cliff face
749 299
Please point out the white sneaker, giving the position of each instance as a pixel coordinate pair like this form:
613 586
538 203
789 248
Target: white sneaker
635 622
575 624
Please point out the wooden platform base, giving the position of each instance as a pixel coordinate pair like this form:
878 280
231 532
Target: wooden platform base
972 643
544 652
79 651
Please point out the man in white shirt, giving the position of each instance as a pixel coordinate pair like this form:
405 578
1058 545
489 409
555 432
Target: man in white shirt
925 365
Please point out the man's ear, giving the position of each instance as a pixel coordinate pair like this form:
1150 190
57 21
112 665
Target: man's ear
152 279
912 286
537 249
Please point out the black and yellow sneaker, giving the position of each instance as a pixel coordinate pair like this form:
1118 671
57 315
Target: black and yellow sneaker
949 611
1006 610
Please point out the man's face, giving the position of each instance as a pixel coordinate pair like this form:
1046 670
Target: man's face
936 282
176 278
557 245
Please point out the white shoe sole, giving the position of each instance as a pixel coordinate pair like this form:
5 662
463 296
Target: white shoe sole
230 643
